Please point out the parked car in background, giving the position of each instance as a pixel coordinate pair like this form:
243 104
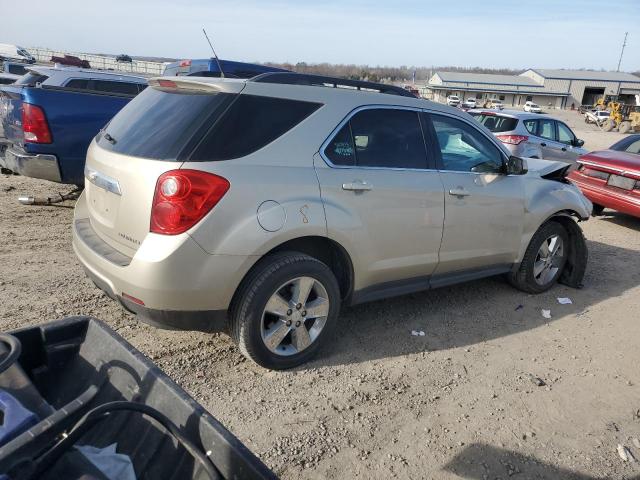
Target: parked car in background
532 107
532 135
209 68
611 178
71 61
596 116
494 103
14 68
124 58
453 100
15 53
469 103
50 115
269 203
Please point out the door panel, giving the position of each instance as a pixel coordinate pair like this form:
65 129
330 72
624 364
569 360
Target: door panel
566 138
381 201
484 208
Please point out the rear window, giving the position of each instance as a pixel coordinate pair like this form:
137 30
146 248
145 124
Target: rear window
496 123
159 124
166 125
31 79
17 69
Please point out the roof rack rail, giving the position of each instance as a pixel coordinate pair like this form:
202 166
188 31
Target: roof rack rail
291 78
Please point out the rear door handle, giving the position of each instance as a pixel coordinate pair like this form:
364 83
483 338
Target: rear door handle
459 192
543 144
357 186
564 149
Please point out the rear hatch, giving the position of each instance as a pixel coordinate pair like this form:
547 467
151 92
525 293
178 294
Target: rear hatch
153 134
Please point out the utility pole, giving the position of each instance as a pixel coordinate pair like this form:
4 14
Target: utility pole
624 44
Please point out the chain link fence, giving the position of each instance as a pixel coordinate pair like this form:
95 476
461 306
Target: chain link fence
101 61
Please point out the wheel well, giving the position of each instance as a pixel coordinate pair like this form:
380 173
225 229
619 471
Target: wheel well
328 252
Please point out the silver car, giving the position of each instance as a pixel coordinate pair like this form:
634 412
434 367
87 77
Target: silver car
532 135
265 205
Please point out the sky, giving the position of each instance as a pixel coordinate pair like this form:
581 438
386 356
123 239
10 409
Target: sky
466 33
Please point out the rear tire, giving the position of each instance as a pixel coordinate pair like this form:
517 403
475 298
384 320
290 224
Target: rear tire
624 127
608 125
272 323
542 265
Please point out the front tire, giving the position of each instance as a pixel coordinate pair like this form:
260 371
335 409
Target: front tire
544 259
285 310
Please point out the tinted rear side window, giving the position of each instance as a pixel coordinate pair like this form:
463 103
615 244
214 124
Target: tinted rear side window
496 123
17 69
6 81
249 124
161 124
123 88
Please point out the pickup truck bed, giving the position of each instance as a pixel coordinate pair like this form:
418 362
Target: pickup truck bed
77 364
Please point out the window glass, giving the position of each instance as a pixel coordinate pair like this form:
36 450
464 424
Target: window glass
158 124
546 129
17 69
78 83
496 123
564 134
464 148
340 150
6 81
108 86
634 147
250 123
530 125
388 138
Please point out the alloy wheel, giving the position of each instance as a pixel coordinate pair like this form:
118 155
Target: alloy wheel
548 260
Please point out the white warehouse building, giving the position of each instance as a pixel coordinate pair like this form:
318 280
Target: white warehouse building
548 88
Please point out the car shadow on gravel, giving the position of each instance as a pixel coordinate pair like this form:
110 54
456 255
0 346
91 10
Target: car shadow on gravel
471 313
479 461
621 219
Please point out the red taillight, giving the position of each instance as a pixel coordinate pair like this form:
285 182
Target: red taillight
34 124
167 84
512 139
182 198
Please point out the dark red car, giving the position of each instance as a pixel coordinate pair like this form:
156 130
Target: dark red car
611 178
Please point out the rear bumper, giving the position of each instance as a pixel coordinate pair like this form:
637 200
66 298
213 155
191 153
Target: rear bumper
37 166
176 283
608 197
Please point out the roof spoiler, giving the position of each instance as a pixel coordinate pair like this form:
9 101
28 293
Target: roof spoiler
191 84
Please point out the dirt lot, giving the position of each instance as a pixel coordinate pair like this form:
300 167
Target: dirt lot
463 401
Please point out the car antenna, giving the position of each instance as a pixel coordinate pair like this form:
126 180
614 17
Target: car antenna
214 53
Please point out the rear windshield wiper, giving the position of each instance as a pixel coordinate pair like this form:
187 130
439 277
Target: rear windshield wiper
110 139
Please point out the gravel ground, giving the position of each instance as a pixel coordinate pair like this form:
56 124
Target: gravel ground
492 390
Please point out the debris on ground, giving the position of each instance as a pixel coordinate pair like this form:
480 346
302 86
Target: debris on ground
9 188
636 442
564 301
537 381
625 454
417 333
546 313
519 307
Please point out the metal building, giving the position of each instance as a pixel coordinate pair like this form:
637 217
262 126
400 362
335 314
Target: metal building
548 88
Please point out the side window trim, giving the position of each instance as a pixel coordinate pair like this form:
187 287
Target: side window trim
347 120
435 147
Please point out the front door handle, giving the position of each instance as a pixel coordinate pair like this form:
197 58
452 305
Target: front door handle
564 149
543 144
459 192
357 186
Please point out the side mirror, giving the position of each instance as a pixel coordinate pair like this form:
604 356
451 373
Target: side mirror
578 142
516 166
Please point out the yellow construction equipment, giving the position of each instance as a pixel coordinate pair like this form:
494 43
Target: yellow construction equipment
626 118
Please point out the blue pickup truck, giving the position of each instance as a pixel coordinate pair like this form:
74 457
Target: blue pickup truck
50 115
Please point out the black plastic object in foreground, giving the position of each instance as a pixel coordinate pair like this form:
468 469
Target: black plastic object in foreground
65 358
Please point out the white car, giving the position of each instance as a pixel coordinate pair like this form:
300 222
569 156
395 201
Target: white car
453 100
596 116
532 107
470 103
